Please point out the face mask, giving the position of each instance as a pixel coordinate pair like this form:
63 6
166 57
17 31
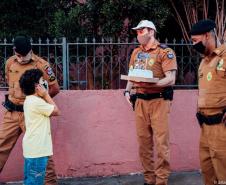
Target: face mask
199 47
143 39
43 83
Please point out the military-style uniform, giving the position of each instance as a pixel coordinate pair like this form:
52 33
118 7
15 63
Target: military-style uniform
212 102
13 121
152 114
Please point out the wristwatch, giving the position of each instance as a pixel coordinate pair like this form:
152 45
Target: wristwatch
126 92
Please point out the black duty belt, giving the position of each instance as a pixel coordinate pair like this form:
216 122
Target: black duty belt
149 96
210 120
167 94
10 106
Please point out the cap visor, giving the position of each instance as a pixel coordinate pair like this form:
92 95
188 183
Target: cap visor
137 28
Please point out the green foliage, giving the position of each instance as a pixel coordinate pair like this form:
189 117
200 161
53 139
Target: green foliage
108 17
66 24
57 18
25 17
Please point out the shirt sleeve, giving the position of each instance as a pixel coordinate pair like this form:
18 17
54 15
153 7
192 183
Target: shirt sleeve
48 73
169 61
7 66
6 71
44 108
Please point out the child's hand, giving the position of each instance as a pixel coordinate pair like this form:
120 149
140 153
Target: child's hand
41 91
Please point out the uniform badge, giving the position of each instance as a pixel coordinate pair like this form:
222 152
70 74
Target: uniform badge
52 78
50 73
143 56
220 65
151 62
170 55
209 76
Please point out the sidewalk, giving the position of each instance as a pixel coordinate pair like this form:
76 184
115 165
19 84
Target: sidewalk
176 178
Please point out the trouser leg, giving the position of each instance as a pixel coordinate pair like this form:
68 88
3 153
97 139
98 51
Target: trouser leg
51 177
10 130
217 142
145 141
208 173
159 124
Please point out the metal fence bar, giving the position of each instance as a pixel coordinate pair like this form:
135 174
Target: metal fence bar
64 45
98 64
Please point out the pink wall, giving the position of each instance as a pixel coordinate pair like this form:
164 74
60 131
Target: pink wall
96 136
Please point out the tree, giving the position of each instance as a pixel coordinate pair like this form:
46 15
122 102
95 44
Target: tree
104 19
194 10
107 17
26 17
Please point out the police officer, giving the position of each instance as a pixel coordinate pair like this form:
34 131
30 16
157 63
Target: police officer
153 102
13 121
211 101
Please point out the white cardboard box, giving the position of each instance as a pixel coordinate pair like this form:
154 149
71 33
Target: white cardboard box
139 79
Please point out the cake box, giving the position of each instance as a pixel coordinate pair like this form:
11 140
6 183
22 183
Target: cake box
140 75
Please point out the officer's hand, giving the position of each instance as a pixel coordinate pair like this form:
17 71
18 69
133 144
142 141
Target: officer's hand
224 119
127 96
40 90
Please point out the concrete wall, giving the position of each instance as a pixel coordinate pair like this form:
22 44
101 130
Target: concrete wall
96 136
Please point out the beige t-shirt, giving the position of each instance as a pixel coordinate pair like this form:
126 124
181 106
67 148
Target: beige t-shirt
37 141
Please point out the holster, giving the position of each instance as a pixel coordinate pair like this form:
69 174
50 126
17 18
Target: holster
167 94
10 106
133 99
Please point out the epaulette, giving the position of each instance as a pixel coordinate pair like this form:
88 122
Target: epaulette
163 46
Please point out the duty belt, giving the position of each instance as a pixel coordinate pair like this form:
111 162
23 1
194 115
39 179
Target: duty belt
149 96
167 94
10 106
210 120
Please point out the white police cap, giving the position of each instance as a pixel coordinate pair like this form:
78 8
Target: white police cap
145 24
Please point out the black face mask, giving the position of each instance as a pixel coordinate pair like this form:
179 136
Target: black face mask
199 47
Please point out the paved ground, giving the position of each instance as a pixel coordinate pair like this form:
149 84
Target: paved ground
182 178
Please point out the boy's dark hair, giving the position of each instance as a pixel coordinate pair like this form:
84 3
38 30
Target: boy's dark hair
29 79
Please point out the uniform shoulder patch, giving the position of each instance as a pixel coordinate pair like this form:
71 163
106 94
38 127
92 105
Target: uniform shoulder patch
169 53
50 73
